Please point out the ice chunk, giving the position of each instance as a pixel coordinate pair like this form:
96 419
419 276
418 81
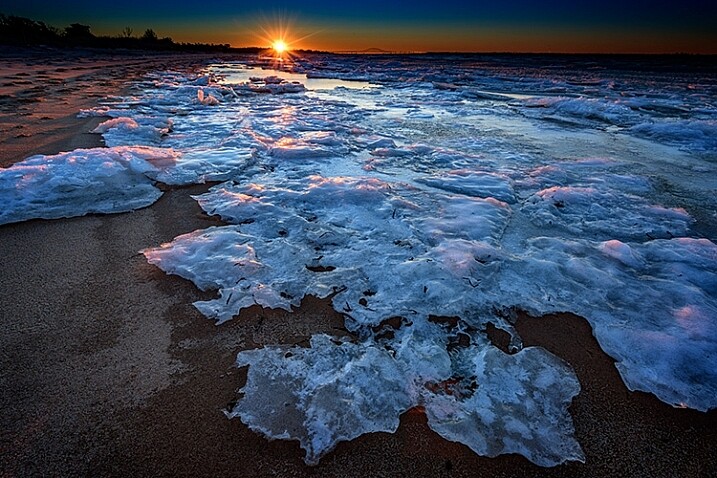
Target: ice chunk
84 181
473 183
594 109
652 308
94 112
225 259
143 131
127 123
693 134
195 165
604 213
520 405
322 395
201 166
620 251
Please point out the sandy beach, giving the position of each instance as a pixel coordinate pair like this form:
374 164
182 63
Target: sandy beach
106 368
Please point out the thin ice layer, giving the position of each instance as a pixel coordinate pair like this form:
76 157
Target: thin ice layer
652 306
415 254
84 181
336 391
322 395
519 406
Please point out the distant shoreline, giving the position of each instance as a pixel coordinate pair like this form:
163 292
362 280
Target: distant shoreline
707 58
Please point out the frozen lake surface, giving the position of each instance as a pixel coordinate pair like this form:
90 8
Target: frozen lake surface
421 187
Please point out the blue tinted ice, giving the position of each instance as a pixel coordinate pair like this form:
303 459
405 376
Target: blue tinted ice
459 187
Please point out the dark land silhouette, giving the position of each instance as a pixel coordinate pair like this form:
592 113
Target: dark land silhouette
24 32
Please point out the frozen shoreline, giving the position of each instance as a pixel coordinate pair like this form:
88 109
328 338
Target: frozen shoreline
178 379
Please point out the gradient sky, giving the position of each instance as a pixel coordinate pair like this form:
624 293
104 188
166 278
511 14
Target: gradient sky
618 26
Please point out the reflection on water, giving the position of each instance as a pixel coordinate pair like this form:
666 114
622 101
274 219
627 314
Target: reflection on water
235 74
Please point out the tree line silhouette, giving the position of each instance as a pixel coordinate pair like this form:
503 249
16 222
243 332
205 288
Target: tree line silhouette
19 31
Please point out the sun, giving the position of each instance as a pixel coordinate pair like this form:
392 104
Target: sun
279 46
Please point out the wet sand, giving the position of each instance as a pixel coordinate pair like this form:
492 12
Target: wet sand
106 369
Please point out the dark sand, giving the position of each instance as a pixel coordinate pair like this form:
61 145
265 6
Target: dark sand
107 370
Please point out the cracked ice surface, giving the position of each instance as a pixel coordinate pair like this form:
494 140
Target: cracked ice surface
415 252
463 191
519 405
403 201
652 306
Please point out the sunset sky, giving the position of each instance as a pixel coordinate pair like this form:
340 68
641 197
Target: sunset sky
418 25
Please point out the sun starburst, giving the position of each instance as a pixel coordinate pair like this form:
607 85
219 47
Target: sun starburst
283 37
280 46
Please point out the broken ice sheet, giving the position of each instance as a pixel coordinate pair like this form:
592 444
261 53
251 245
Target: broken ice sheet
322 395
519 406
412 250
336 391
84 181
450 227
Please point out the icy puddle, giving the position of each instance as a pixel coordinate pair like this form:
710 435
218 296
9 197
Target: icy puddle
425 209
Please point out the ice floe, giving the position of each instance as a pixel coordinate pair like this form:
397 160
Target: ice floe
321 395
331 223
652 306
84 181
335 391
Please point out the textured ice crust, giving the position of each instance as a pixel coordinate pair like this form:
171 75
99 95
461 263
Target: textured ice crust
600 212
652 306
387 249
434 196
321 395
519 406
84 181
336 391
700 135
436 249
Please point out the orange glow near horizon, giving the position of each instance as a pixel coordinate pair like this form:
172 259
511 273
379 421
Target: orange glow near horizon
346 36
